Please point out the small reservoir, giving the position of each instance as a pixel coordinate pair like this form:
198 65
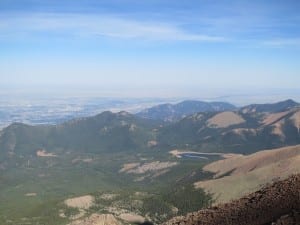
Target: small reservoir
197 155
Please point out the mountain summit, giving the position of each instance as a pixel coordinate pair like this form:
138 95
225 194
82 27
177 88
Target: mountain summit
272 107
175 112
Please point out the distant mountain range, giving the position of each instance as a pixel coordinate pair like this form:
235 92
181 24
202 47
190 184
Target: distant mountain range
175 112
244 130
271 108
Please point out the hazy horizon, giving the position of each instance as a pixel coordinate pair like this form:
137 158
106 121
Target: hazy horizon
239 97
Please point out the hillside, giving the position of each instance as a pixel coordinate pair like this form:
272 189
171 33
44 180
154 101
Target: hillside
48 173
276 204
175 112
227 131
233 131
271 107
239 175
102 133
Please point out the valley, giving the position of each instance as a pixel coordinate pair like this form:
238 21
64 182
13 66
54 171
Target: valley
126 169
36 190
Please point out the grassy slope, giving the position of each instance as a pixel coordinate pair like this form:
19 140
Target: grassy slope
240 175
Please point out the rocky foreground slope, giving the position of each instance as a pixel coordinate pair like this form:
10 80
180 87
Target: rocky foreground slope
276 204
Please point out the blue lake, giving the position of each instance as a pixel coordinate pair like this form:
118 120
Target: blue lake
200 155
193 155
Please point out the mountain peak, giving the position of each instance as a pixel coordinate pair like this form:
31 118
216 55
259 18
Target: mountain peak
290 102
175 112
271 107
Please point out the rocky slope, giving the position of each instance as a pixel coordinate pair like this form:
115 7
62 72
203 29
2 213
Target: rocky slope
276 204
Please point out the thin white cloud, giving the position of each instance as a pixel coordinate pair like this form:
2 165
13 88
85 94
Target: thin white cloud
96 25
283 42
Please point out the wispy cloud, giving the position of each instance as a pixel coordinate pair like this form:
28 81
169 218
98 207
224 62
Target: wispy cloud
91 26
283 42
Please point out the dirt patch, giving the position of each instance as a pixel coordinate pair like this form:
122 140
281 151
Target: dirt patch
116 210
132 127
139 179
62 214
296 118
128 166
243 131
31 194
97 219
159 173
141 194
273 117
132 218
225 119
230 155
83 202
277 129
108 196
196 117
151 167
44 153
176 153
277 204
85 160
152 144
277 121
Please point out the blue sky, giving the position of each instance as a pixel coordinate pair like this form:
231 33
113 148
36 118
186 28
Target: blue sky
150 46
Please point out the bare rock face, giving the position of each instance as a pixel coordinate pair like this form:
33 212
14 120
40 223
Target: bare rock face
277 204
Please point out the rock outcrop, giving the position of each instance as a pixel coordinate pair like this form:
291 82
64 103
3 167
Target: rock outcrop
276 204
